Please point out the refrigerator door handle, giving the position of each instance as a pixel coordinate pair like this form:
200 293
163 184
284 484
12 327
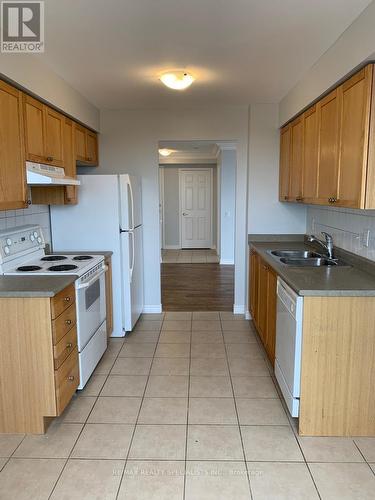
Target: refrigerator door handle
133 256
132 205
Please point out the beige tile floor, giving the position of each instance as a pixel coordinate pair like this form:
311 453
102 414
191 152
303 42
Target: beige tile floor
199 256
185 408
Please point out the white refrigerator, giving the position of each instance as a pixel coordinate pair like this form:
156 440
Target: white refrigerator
108 217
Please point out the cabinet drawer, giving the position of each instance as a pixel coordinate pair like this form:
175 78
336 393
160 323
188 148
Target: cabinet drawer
62 300
62 324
66 381
66 345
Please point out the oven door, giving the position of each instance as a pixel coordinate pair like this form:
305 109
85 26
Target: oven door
91 307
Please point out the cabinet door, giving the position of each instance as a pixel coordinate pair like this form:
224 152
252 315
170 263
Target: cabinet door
71 192
262 300
254 284
91 147
12 159
284 163
355 119
310 155
271 314
328 157
34 129
296 159
80 142
54 137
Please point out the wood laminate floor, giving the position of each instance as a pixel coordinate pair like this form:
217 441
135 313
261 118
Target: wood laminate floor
197 287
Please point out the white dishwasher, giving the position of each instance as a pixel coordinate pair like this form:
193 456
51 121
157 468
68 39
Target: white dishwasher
289 344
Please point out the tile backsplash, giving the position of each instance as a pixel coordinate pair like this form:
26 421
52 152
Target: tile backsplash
352 230
35 214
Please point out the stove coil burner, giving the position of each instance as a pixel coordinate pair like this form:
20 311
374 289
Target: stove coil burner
52 258
82 257
28 268
63 267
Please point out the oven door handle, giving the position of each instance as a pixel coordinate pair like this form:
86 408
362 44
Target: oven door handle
89 283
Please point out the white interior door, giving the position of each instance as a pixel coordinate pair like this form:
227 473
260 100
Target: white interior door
196 208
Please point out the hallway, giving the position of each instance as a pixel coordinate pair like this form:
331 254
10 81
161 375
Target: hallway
197 287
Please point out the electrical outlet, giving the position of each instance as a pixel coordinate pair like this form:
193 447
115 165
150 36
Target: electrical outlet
366 238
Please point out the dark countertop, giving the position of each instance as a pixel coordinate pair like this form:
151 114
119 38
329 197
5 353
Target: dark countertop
358 280
33 286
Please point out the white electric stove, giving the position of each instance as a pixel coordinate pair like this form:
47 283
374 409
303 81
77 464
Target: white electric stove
22 253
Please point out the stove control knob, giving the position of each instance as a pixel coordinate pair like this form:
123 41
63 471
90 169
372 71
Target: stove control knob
7 250
32 238
9 242
35 234
39 239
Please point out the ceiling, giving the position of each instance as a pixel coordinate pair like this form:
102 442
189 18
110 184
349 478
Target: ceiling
240 51
192 152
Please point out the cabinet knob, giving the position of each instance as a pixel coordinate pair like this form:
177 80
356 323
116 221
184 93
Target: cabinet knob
69 345
71 378
286 197
49 158
28 202
89 158
299 198
67 299
68 322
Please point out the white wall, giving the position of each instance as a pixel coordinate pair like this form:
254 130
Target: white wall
348 227
266 215
353 47
129 143
228 164
171 208
32 74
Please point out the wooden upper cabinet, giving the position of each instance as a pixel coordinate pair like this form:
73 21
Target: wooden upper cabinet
71 192
86 143
328 157
34 129
13 189
80 142
355 95
54 137
284 163
92 147
310 155
296 159
43 133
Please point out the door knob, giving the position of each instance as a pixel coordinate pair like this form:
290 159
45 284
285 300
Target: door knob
184 214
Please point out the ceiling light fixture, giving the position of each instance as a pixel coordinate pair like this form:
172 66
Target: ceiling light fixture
177 80
165 152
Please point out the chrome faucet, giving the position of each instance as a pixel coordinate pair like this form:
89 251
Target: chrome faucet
328 245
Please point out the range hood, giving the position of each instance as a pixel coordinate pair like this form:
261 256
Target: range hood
38 174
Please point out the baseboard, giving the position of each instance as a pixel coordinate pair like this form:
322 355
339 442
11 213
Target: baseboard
237 309
171 247
150 309
226 262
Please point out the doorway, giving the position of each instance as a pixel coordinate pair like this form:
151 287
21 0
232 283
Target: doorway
197 218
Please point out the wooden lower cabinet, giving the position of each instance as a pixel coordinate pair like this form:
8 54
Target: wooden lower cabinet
263 280
38 360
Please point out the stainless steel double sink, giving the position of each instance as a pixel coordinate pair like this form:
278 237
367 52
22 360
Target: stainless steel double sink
305 258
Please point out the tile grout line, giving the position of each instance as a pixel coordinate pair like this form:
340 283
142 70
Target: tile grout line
235 406
139 411
188 408
84 423
281 398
